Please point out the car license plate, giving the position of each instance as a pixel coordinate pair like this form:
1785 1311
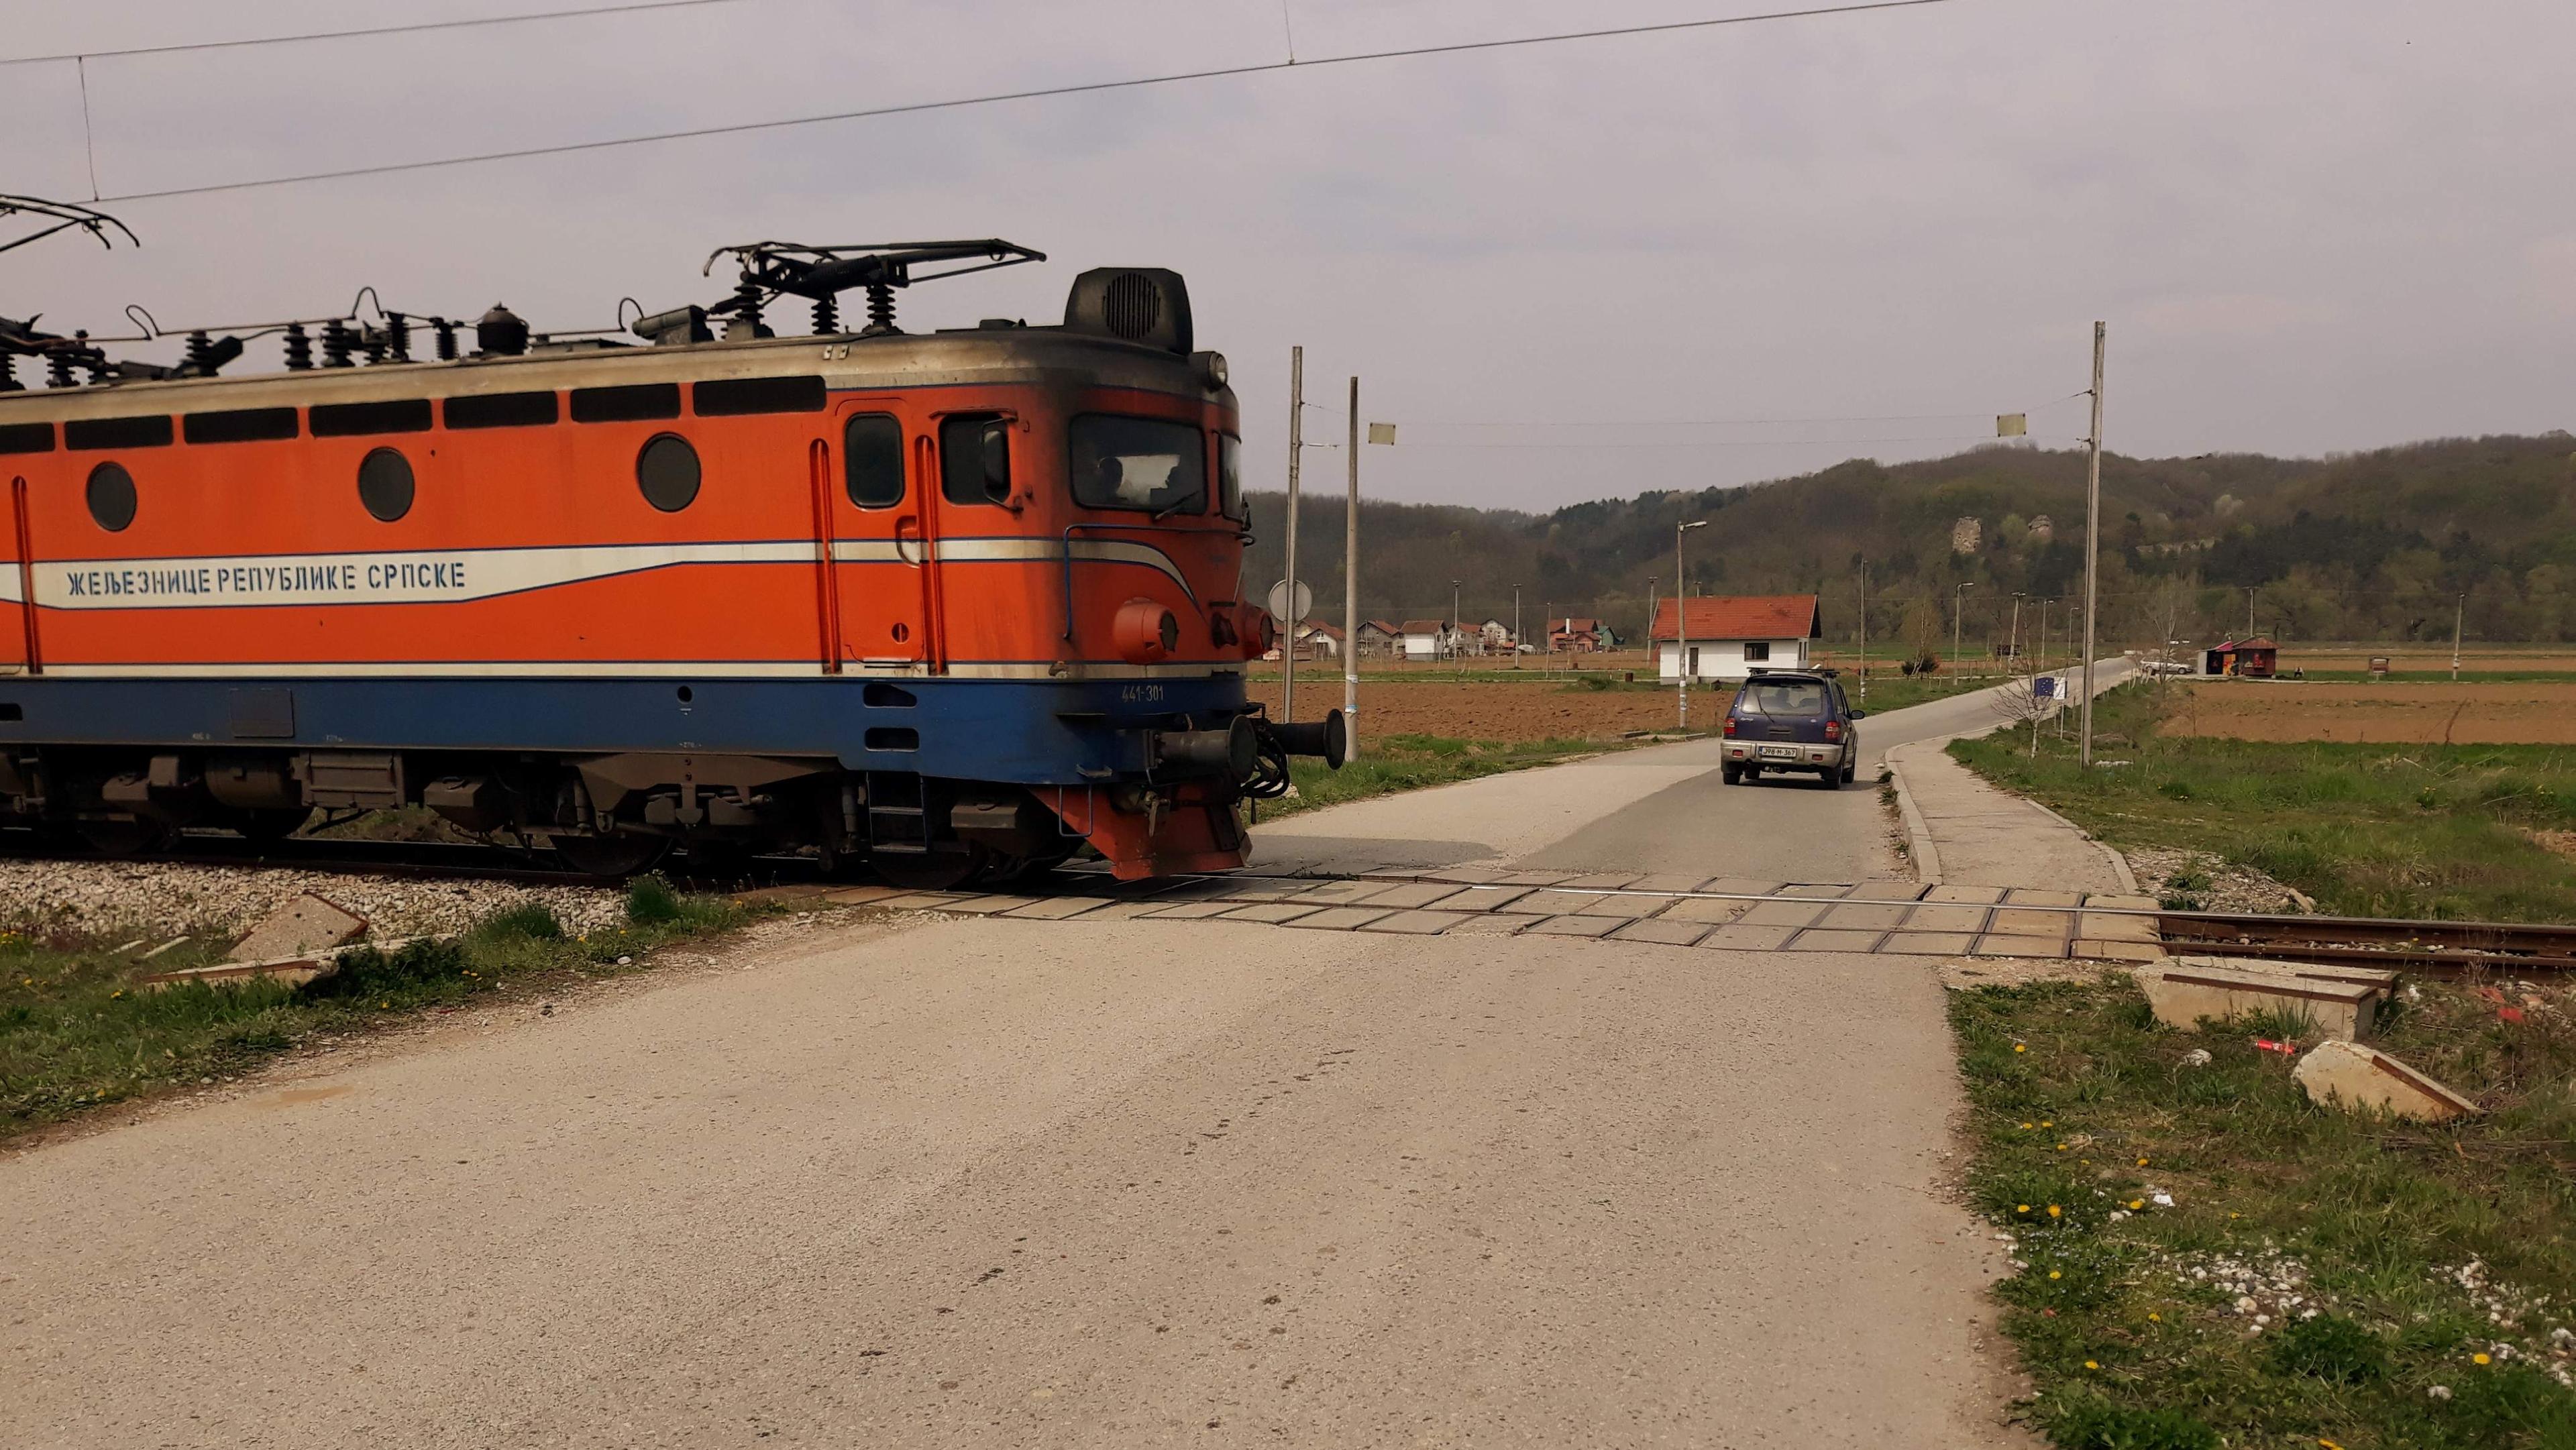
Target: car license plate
1779 752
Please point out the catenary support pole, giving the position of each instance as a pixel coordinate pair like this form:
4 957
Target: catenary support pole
2092 541
1351 592
1296 454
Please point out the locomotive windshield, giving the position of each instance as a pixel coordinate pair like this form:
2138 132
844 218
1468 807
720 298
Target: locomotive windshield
1138 463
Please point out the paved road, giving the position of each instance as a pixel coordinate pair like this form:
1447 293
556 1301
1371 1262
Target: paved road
1089 1183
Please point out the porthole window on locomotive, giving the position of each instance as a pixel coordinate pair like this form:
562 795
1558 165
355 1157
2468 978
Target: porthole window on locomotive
1138 463
385 484
872 460
667 471
111 496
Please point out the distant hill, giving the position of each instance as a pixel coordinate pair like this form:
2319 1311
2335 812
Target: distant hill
2361 546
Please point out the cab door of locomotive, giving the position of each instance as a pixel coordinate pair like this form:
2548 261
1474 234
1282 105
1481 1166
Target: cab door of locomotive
18 650
873 516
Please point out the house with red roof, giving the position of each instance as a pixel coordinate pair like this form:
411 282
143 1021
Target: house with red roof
1729 637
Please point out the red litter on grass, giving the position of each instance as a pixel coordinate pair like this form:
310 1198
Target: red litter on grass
2286 1049
2510 1014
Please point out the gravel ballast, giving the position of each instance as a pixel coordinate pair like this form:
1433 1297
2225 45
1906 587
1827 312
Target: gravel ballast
153 898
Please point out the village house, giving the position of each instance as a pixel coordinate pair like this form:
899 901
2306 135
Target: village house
1731 636
1426 639
1574 635
1380 637
1494 637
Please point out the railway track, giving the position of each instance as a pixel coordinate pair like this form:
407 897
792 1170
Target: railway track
2434 946
2446 946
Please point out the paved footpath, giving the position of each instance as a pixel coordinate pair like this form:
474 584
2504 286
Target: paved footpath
1105 1181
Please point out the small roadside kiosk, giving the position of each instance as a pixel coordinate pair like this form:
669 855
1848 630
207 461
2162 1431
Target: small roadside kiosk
2254 659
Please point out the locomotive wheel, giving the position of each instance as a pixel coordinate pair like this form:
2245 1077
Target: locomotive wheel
268 825
1005 871
132 837
611 857
717 863
937 871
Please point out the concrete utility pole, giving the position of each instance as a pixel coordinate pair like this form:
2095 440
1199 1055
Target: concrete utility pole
1351 593
2459 611
2249 612
2018 597
1681 618
2092 538
1516 626
1864 631
1457 630
1296 453
1651 582
1958 619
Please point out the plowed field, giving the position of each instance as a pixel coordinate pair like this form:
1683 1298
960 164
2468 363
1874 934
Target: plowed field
2533 713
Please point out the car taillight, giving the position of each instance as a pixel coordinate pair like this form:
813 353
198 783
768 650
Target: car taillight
1730 724
1833 730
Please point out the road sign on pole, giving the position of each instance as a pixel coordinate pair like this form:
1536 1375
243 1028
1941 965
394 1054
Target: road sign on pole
1290 612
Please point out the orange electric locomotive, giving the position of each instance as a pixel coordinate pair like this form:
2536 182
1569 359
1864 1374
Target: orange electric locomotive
956 602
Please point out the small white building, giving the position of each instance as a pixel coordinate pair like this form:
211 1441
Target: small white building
1426 639
1729 637
1493 637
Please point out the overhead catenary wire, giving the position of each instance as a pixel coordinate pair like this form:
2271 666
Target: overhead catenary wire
308 37
1032 94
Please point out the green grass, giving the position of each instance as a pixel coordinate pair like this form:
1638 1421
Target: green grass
77 1034
2072 1084
2418 831
1411 762
1892 691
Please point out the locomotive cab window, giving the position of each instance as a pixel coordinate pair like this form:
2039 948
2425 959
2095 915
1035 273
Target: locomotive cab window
975 458
1229 478
1138 463
872 460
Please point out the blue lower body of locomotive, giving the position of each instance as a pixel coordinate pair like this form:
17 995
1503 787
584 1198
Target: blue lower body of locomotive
1030 732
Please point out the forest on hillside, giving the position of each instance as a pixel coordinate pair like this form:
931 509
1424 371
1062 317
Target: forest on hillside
2373 545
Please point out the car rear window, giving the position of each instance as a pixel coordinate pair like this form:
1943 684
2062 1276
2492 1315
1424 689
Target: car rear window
1789 699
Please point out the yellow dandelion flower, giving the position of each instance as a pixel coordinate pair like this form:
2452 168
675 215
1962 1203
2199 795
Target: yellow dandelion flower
2154 1318
2025 1127
2061 1147
2089 1364
2017 1047
2052 1273
2136 1203
2480 1359
2329 1444
2024 1208
2045 1123
2053 1210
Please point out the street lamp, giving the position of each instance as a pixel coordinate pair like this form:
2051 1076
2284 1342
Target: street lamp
1681 619
1516 626
1457 636
1958 616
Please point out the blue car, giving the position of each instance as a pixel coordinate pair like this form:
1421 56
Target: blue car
1792 722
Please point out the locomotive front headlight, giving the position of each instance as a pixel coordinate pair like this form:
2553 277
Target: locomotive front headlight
1212 367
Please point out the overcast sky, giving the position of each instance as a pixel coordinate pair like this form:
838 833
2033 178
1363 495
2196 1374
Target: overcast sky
1567 271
